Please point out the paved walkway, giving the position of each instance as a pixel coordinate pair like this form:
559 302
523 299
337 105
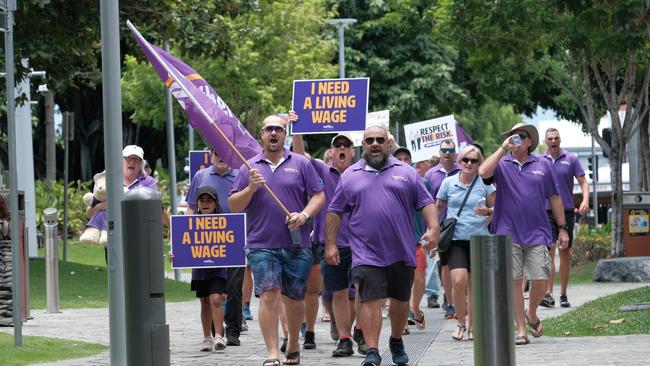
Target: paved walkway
91 325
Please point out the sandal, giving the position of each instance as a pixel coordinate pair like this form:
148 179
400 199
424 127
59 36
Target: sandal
406 330
422 323
271 362
292 358
461 332
521 340
536 329
470 335
326 318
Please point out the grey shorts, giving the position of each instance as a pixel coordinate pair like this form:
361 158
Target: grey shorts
533 260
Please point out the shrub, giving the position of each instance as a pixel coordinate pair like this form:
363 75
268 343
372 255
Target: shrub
592 245
50 194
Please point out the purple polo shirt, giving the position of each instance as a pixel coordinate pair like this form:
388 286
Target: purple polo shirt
435 176
100 220
331 177
210 177
381 206
565 167
519 210
294 181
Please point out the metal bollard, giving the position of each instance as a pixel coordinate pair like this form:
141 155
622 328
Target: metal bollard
51 260
147 335
492 308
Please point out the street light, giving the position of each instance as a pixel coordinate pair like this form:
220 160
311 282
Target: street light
341 24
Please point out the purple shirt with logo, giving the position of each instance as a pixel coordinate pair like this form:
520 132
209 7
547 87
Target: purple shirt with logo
381 206
331 177
435 176
294 181
519 210
99 219
565 167
210 177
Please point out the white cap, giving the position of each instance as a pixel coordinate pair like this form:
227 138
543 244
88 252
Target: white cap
344 135
133 150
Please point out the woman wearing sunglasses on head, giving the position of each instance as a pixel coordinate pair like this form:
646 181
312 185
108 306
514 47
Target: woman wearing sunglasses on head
472 219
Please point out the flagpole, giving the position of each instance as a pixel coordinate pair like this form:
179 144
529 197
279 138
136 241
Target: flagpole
205 114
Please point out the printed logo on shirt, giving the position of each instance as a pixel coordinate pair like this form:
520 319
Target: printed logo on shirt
399 177
564 162
291 170
537 172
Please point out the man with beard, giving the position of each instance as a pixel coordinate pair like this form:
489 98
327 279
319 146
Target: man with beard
280 267
380 194
446 168
220 177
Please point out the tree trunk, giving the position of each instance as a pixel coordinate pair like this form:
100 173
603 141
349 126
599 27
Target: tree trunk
616 163
50 138
644 178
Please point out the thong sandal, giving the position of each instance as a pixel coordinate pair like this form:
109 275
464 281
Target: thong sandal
470 334
521 340
461 332
292 358
422 323
271 362
536 329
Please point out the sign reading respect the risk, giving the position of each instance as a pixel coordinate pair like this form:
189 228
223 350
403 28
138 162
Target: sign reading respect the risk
208 241
330 105
423 139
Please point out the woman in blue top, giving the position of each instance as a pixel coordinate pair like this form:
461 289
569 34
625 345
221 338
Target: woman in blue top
472 220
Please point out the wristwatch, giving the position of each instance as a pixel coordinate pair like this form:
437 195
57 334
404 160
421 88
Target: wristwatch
563 226
305 214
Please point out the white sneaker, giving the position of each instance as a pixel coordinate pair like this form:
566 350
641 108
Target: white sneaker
219 343
207 345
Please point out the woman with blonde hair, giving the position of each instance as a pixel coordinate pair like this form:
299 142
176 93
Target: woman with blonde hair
472 220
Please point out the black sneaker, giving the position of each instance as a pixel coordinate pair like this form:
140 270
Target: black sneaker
547 301
372 358
564 301
232 341
361 342
310 340
343 349
432 302
397 351
450 313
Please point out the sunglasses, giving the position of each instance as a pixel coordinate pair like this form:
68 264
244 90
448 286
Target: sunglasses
338 144
371 140
276 129
523 135
448 150
468 160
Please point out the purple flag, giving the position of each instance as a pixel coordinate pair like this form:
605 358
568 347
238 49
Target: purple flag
462 136
173 72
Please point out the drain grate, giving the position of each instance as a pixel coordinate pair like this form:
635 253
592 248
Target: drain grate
418 341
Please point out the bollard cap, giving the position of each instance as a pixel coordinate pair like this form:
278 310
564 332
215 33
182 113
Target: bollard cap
49 215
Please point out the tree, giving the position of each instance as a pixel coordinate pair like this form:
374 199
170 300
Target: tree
580 58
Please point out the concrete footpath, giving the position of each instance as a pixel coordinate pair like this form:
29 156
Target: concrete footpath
432 346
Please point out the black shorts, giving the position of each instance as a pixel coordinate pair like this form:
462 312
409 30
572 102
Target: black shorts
374 283
205 288
458 255
570 220
443 258
316 252
337 278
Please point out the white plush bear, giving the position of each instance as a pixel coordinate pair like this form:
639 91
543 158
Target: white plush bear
96 227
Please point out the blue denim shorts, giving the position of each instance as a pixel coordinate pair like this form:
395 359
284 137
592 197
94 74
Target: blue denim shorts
284 268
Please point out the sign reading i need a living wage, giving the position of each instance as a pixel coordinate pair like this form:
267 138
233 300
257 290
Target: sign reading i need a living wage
379 118
208 241
423 139
330 105
199 160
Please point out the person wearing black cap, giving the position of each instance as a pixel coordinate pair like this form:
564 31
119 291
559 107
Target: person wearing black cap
209 283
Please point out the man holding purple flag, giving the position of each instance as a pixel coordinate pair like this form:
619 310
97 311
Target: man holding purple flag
280 265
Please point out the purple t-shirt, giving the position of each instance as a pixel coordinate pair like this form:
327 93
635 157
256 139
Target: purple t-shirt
331 177
210 177
294 181
100 221
565 167
381 206
519 210
435 176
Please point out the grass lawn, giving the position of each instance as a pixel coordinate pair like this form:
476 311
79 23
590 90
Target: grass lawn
580 275
40 349
601 317
83 280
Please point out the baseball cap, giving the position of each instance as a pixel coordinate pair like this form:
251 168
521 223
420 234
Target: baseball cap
133 150
344 135
402 150
207 190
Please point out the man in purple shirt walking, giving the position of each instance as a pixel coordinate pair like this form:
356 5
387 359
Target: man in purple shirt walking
381 194
279 264
525 183
566 166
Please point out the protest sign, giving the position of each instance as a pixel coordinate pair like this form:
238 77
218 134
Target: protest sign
199 160
330 105
379 118
208 241
423 138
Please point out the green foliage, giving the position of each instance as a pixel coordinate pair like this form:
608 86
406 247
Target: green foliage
486 123
50 194
37 350
592 245
594 318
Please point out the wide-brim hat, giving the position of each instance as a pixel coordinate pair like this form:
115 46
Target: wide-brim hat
529 129
342 135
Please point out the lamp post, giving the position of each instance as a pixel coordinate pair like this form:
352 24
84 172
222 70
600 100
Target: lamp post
341 24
